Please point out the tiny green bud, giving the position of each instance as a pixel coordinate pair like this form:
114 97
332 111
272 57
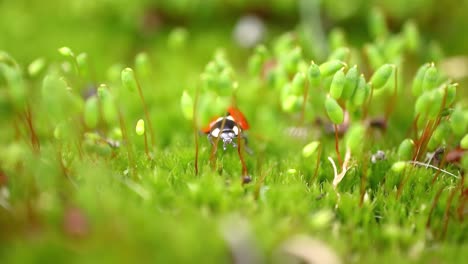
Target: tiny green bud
109 110
406 149
292 171
377 24
310 149
451 93
441 132
140 127
417 88
291 103
459 122
382 75
374 55
334 111
66 51
116 133
337 38
337 84
314 74
464 142
142 64
257 60
186 104
422 104
430 78
177 38
360 95
298 83
82 61
399 166
292 59
329 68
437 98
355 138
129 80
58 131
412 37
91 112
36 67
341 54
352 79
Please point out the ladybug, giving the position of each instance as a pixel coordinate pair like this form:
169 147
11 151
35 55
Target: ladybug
234 125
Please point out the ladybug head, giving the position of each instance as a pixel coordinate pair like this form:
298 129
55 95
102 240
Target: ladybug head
227 136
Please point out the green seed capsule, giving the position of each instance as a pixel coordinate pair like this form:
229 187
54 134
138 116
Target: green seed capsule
382 75
310 149
412 36
374 55
451 93
422 104
314 74
406 149
377 25
417 88
108 108
36 67
337 84
140 127
341 54
225 82
437 98
355 138
116 133
352 79
298 83
459 122
430 78
186 104
91 112
360 95
441 132
331 67
66 51
336 39
257 60
142 64
255 64
334 111
291 103
464 142
129 80
177 38
83 65
399 166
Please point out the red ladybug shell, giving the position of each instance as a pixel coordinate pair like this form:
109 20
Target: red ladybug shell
236 114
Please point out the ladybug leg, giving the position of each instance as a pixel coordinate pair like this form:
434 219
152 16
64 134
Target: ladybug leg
246 145
212 141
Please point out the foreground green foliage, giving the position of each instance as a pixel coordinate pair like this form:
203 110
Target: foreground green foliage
97 164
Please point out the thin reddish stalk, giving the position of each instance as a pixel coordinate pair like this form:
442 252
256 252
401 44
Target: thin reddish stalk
434 203
337 145
304 103
241 157
195 128
145 108
319 155
391 104
126 138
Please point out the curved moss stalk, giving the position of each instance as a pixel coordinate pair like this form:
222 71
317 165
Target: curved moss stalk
145 108
195 127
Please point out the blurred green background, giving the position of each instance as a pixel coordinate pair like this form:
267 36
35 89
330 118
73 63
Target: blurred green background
168 210
111 30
